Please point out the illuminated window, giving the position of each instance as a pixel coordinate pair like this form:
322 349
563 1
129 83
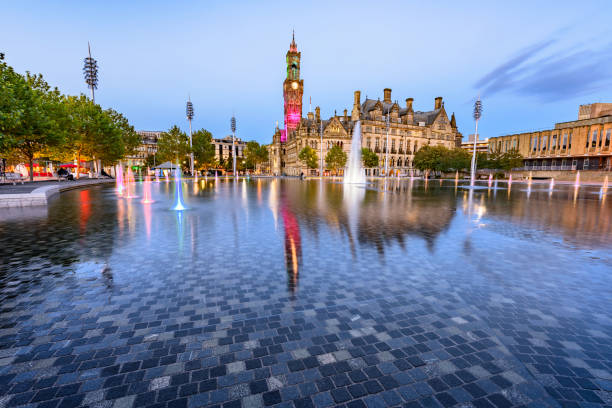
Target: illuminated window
594 139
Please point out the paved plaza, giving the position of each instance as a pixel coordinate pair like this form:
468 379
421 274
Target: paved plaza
106 319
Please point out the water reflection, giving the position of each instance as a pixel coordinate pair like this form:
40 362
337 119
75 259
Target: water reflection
231 221
293 246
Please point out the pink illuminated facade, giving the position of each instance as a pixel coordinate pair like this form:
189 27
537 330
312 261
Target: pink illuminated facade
293 90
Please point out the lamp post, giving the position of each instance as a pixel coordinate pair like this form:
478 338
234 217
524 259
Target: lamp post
90 70
233 126
189 118
477 115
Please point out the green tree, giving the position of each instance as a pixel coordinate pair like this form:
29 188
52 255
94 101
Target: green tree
309 156
255 154
510 160
203 149
31 115
130 139
93 133
369 158
430 158
172 145
335 158
457 159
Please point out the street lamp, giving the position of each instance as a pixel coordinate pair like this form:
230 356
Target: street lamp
90 70
477 115
233 126
189 118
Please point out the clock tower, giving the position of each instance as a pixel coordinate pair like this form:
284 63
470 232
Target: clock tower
293 89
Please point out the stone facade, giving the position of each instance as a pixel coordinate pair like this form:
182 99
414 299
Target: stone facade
582 144
223 148
147 147
408 130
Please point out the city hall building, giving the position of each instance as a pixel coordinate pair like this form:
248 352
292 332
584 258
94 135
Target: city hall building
408 129
582 144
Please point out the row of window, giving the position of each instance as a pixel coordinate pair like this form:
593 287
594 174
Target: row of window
384 143
596 141
593 140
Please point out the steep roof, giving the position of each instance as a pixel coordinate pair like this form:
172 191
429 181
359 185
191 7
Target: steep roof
428 117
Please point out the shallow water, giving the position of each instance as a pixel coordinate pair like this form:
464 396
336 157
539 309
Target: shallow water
401 265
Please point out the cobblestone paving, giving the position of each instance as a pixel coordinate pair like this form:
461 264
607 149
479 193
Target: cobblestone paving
257 297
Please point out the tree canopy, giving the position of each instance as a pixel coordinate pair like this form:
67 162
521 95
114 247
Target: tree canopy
32 115
36 120
499 160
172 145
203 149
369 158
255 154
440 158
335 158
309 156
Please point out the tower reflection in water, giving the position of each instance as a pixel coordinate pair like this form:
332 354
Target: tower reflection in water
293 246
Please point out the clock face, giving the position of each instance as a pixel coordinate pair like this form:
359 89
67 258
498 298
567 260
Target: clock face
294 85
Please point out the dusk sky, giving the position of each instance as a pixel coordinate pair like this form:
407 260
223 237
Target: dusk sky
533 62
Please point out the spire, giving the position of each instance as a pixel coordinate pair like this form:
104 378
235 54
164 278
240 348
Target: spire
453 122
293 46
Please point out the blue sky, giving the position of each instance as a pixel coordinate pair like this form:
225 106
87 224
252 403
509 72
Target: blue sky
533 62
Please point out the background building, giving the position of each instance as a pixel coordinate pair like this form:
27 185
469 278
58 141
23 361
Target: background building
408 129
223 148
582 144
147 147
482 145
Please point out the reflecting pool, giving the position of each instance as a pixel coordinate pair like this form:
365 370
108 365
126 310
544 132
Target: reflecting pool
309 293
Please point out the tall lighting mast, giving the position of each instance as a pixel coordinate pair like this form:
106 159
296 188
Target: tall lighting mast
90 70
233 126
189 118
477 115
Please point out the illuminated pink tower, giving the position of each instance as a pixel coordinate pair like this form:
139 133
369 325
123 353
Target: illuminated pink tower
293 89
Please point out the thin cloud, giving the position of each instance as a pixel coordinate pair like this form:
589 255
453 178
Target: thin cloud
547 75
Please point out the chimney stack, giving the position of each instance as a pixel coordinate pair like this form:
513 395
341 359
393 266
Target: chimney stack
387 92
318 113
345 116
438 104
310 115
409 104
355 113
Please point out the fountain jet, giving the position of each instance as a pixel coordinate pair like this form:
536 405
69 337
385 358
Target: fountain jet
119 179
577 182
147 191
129 181
551 186
354 172
604 188
178 192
